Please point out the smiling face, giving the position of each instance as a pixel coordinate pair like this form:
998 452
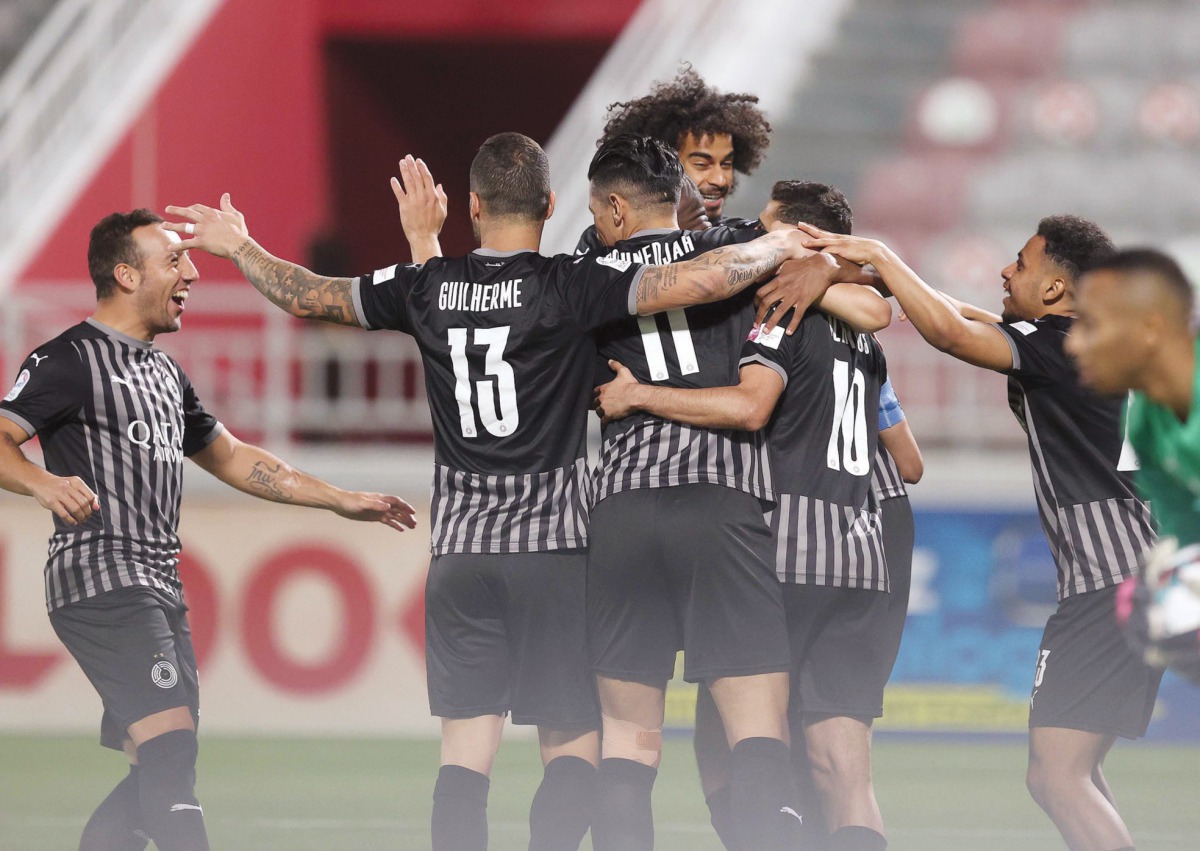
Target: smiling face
1027 281
163 280
708 161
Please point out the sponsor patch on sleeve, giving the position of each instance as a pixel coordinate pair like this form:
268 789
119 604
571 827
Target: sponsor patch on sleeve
615 263
1025 328
22 380
762 337
382 275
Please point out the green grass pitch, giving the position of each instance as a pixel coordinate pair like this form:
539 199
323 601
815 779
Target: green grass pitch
301 794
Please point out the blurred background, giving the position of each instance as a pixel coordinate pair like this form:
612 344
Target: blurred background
952 125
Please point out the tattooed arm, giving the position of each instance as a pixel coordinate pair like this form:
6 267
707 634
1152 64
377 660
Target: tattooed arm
254 470
302 293
716 274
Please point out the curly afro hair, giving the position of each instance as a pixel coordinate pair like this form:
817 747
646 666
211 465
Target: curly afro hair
686 105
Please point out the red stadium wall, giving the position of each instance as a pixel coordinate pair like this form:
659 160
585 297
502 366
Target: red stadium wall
246 110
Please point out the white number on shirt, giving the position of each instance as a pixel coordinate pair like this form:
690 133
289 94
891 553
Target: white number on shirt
849 422
503 422
681 336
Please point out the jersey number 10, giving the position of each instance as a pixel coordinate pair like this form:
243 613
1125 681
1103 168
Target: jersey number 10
500 422
849 422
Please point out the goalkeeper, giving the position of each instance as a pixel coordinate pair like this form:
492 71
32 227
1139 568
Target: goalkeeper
1134 331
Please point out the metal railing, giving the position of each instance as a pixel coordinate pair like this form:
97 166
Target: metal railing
69 95
270 378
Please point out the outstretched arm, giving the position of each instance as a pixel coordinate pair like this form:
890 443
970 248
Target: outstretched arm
716 274
302 293
422 205
931 313
746 405
67 497
253 470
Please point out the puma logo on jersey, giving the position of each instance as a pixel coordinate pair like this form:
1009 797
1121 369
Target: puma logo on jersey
116 379
792 812
37 359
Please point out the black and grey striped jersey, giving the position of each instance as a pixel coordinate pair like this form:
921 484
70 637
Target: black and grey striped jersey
121 415
1096 525
504 337
695 347
822 439
886 482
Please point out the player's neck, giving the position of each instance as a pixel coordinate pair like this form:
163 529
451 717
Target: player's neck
654 218
1171 376
511 237
119 319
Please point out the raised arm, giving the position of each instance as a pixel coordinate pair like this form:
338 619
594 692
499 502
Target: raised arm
746 405
716 274
938 320
68 497
302 293
254 470
422 205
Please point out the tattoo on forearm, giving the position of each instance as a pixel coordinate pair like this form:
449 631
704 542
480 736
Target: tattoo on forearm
266 479
294 288
714 275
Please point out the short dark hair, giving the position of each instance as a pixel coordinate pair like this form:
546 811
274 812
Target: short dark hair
1155 264
686 105
816 203
511 176
1074 243
643 169
111 243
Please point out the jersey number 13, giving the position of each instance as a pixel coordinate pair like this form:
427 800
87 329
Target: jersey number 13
496 399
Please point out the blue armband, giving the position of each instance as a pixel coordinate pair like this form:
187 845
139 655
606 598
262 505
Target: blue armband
890 412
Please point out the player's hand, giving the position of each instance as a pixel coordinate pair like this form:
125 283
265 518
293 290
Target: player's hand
219 232
422 205
856 249
68 497
615 400
377 508
795 287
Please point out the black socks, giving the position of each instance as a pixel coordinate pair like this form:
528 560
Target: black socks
623 819
166 792
855 838
459 821
113 825
562 808
763 798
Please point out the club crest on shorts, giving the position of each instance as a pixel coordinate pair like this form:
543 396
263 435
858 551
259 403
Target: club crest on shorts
164 674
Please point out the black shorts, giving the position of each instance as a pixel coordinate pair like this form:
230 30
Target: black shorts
844 643
505 633
689 567
1086 677
135 646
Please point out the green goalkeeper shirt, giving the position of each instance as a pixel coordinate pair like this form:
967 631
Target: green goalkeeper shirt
1169 453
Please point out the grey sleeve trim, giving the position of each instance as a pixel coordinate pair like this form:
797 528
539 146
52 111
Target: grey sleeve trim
213 434
356 298
19 420
759 359
1008 338
633 288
